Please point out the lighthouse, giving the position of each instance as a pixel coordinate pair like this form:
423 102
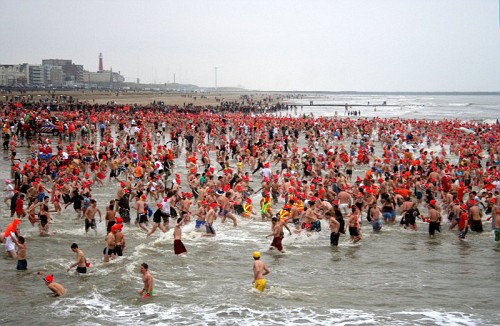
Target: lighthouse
101 65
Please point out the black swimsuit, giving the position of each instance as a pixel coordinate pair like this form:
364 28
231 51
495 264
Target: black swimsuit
43 217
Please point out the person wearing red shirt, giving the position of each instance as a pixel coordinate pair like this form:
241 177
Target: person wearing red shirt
463 222
20 206
71 130
461 191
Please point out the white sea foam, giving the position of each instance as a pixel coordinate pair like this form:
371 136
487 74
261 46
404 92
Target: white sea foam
441 318
460 104
97 309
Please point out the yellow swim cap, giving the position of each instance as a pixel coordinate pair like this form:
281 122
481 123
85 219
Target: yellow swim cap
256 254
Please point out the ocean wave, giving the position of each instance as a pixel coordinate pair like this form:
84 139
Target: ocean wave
98 309
427 317
460 104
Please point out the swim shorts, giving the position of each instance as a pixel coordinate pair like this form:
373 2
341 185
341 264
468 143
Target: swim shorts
334 238
344 208
108 251
81 270
387 216
277 243
461 234
353 231
22 265
377 225
315 226
476 226
432 228
199 224
260 284
118 250
141 218
179 247
90 224
209 228
157 218
110 224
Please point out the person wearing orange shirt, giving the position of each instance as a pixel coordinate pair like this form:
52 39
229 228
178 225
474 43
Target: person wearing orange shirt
138 172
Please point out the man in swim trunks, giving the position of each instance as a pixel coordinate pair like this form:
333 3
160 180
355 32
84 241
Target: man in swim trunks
455 213
109 250
142 217
9 192
344 200
353 224
334 229
311 217
22 263
186 206
294 215
56 288
81 262
226 205
475 217
277 234
434 219
210 218
179 248
90 216
148 281
119 240
157 221
201 214
110 215
497 226
259 271
375 215
349 167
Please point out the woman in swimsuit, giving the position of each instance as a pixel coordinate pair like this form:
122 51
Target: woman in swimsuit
44 215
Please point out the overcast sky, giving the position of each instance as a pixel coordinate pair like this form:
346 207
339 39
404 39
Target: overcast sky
330 45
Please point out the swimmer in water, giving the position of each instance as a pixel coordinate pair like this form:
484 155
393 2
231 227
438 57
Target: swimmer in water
148 281
56 288
259 271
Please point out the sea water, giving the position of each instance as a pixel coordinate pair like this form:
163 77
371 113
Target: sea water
481 108
395 277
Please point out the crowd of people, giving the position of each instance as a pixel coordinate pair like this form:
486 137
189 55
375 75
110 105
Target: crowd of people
176 165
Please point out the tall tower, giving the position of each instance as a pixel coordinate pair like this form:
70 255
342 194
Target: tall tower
101 65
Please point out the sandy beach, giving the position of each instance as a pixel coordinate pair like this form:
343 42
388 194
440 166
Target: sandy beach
145 97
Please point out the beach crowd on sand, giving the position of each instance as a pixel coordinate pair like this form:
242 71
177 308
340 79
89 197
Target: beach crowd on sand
243 160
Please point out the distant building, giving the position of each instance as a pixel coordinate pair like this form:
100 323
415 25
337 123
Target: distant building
56 73
14 75
72 73
36 75
53 76
102 77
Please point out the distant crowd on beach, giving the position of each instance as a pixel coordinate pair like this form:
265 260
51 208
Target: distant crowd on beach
242 163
